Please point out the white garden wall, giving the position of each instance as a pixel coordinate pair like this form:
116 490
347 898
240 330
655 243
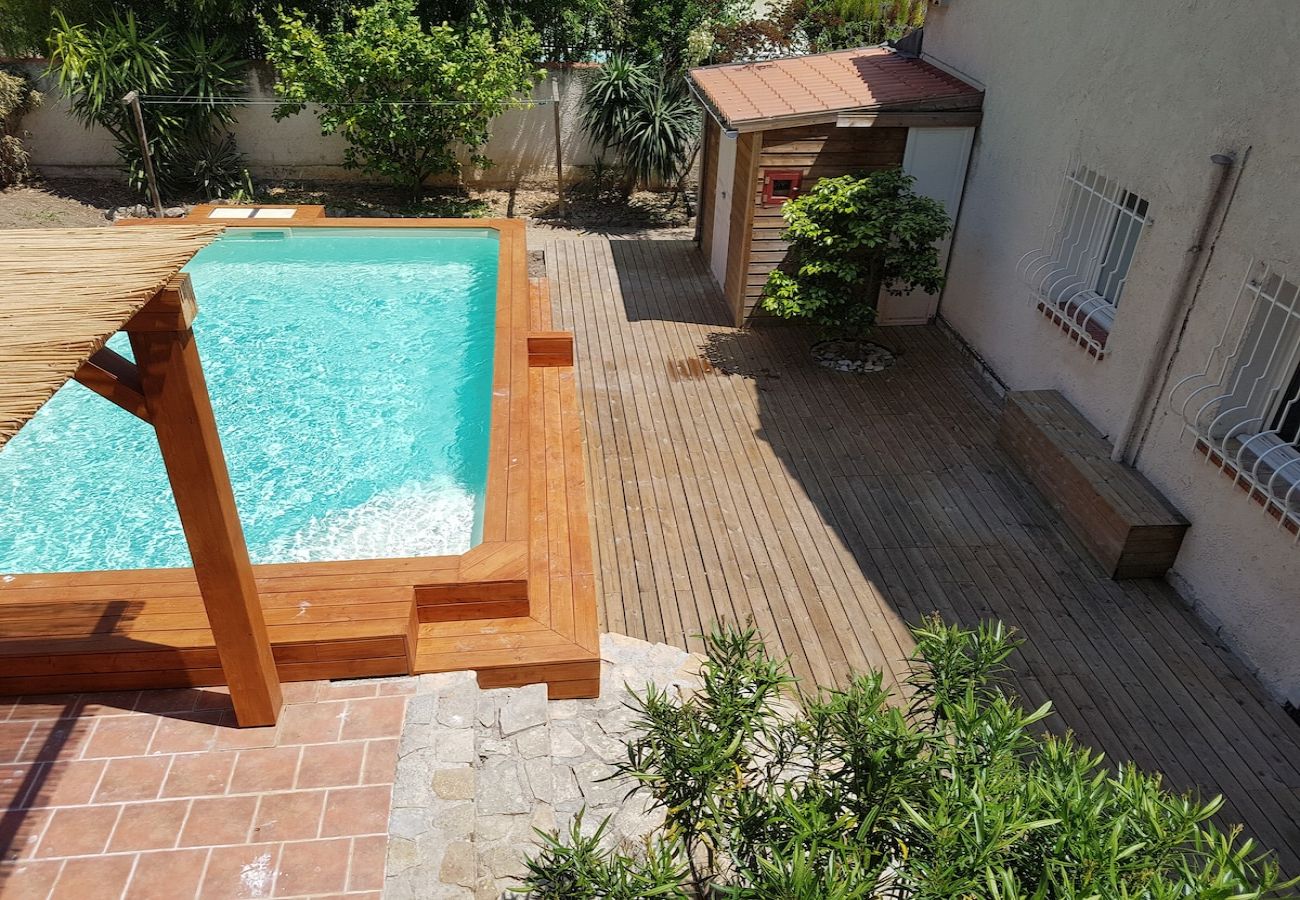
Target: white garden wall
522 143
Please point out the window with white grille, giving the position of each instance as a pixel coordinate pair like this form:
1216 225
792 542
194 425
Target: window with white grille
1078 276
1244 407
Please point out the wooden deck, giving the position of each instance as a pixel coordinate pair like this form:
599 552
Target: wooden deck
731 478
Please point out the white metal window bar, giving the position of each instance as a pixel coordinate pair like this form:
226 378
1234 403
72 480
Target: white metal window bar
1244 406
1078 275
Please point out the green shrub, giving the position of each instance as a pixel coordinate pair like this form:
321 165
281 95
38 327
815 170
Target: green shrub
17 98
452 80
849 237
97 65
947 792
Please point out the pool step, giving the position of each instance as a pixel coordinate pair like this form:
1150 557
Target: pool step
483 600
557 642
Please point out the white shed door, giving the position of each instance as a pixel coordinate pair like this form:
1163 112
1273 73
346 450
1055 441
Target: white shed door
722 207
936 158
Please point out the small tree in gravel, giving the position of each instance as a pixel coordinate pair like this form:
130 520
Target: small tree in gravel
946 793
407 98
849 237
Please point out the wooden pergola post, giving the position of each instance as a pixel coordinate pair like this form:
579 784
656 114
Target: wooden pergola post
176 398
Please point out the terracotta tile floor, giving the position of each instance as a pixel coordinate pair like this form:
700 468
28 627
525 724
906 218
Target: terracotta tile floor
157 794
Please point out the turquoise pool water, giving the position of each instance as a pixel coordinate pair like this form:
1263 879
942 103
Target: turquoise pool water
351 375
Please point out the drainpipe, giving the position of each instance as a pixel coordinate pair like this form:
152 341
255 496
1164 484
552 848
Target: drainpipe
1189 284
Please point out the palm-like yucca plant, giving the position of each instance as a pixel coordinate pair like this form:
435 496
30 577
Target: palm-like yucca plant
648 121
97 65
659 133
204 70
611 91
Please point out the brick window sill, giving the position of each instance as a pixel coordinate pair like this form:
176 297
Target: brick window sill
1234 474
1087 332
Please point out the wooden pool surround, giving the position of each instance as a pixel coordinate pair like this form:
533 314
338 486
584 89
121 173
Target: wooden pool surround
519 608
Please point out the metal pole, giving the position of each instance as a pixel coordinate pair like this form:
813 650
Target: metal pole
559 155
132 101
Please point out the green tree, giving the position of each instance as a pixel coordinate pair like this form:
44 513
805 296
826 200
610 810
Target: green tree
405 96
850 237
789 27
672 35
856 794
569 30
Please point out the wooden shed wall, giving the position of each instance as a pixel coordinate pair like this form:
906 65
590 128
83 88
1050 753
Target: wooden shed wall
819 151
708 184
739 237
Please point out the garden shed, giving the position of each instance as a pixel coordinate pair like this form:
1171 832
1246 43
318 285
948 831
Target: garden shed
773 128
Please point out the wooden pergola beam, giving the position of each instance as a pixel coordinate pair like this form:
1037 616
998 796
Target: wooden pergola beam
116 379
175 392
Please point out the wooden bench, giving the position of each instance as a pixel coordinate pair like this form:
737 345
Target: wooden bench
1127 525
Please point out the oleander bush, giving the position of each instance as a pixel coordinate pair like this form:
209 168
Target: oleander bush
947 790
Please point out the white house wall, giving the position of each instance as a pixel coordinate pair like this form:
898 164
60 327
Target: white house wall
1144 93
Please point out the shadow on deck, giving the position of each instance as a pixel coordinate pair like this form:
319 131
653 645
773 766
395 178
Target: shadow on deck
731 478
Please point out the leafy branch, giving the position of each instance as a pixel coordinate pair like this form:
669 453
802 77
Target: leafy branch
410 99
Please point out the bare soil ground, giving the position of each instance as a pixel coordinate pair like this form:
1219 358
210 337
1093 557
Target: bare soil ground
65 202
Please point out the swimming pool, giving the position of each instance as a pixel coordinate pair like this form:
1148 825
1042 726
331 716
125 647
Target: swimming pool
350 371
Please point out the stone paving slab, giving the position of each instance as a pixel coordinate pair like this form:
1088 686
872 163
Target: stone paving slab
480 771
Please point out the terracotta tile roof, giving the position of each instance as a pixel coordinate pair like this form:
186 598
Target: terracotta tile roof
868 77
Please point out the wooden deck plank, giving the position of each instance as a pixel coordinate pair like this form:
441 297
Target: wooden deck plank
835 509
690 518
707 551
599 486
746 517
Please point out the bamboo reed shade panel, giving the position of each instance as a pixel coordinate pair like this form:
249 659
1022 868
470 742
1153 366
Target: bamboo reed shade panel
64 292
